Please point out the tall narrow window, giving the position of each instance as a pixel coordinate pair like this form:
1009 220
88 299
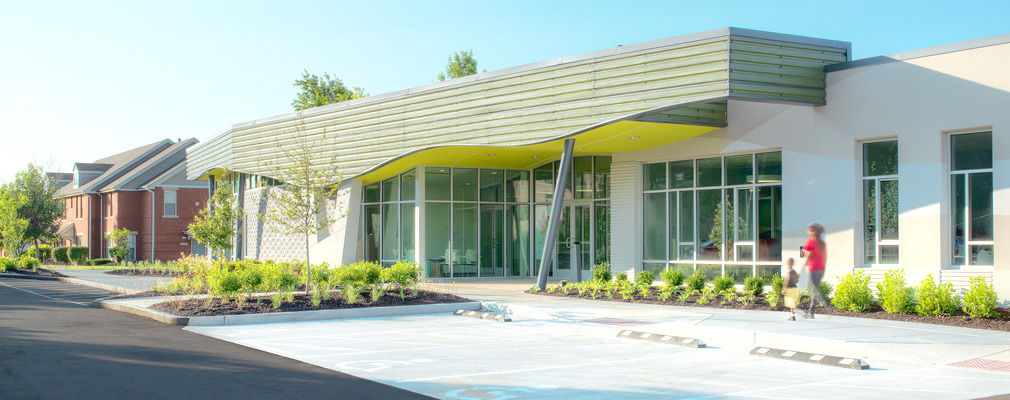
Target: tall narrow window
971 187
171 205
880 202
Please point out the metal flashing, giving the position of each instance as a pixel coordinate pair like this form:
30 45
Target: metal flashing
926 52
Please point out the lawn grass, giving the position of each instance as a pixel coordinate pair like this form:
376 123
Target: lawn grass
87 267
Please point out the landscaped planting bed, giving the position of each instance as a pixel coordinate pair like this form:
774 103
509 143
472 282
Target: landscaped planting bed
258 305
935 304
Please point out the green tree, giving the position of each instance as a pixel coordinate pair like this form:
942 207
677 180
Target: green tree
12 226
121 239
322 90
41 208
461 63
215 226
302 204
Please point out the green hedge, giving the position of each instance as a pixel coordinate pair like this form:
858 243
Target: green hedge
78 254
99 261
45 252
7 264
60 254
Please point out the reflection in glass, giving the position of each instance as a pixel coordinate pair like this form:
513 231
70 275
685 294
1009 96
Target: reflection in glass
739 273
408 189
770 223
464 184
958 211
372 230
981 255
464 239
686 217
769 167
766 272
492 185
980 193
541 221
372 193
436 238
729 204
390 231
492 248
673 227
709 172
655 176
709 233
407 231
656 268
739 170
880 158
517 186
582 176
436 183
888 210
870 221
603 177
888 254
681 174
518 237
564 244
390 190
686 269
602 232
543 184
971 151
745 215
710 271
654 209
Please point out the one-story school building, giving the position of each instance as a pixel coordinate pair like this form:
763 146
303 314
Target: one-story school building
711 151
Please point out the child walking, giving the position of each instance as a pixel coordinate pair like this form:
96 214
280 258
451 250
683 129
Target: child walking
790 292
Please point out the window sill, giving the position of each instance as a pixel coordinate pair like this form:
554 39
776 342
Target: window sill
170 216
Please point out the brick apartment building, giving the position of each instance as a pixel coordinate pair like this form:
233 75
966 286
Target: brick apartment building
144 190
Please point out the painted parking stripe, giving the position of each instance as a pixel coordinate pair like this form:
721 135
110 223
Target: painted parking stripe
65 292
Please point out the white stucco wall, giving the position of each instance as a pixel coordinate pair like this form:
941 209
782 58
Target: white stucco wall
920 102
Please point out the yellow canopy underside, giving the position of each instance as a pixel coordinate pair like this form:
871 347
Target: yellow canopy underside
618 137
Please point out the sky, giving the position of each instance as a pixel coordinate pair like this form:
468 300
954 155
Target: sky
83 80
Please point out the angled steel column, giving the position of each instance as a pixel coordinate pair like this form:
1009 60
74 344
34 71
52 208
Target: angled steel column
556 203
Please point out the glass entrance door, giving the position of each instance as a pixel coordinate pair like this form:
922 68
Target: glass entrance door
492 233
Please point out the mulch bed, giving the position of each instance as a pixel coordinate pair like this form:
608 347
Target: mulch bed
143 272
200 307
41 272
960 319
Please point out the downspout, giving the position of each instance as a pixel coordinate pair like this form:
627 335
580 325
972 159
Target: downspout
101 227
152 221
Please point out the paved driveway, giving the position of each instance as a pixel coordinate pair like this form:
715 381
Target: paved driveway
447 356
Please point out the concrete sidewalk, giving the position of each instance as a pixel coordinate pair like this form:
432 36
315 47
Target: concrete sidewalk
863 338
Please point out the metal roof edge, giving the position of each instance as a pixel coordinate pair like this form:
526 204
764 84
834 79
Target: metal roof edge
613 51
926 52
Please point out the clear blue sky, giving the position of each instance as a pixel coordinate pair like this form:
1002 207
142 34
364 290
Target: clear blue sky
81 80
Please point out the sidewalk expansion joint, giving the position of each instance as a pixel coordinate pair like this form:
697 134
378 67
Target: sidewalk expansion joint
483 315
661 338
821 359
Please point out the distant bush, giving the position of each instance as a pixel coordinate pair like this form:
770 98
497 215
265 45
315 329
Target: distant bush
672 278
853 292
99 261
621 277
644 278
78 254
601 272
723 284
980 301
7 264
754 285
933 299
696 281
895 296
45 252
28 262
60 254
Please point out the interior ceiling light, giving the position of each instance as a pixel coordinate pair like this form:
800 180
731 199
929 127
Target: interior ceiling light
634 137
534 156
492 154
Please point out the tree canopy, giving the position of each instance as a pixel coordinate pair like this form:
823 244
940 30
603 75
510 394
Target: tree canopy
40 207
12 226
215 226
322 90
461 63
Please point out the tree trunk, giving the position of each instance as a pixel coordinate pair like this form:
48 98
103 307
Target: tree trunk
37 256
308 265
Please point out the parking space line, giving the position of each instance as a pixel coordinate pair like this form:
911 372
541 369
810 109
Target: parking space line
779 388
846 385
42 295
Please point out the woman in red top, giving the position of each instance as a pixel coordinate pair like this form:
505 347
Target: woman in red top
816 253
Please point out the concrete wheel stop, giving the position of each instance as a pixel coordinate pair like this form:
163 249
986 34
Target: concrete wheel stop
830 361
661 338
483 315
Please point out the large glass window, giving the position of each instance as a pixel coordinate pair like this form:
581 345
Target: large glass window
388 220
437 229
880 202
971 186
492 185
718 215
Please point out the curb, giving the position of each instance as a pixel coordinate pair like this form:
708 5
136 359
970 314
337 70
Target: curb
295 316
33 277
76 281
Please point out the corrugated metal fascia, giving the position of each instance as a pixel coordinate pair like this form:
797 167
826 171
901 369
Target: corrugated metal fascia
214 153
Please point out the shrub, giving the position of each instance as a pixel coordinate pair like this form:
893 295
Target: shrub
7 264
77 254
777 283
672 278
980 301
99 261
119 253
826 289
28 262
45 252
60 254
754 285
403 275
895 296
696 281
724 284
644 278
621 277
853 292
933 299
601 272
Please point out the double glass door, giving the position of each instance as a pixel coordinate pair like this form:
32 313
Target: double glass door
585 223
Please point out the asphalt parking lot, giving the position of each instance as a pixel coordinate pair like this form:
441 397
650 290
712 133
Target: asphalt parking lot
446 356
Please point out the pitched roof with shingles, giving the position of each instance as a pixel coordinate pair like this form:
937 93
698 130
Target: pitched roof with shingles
154 166
119 164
